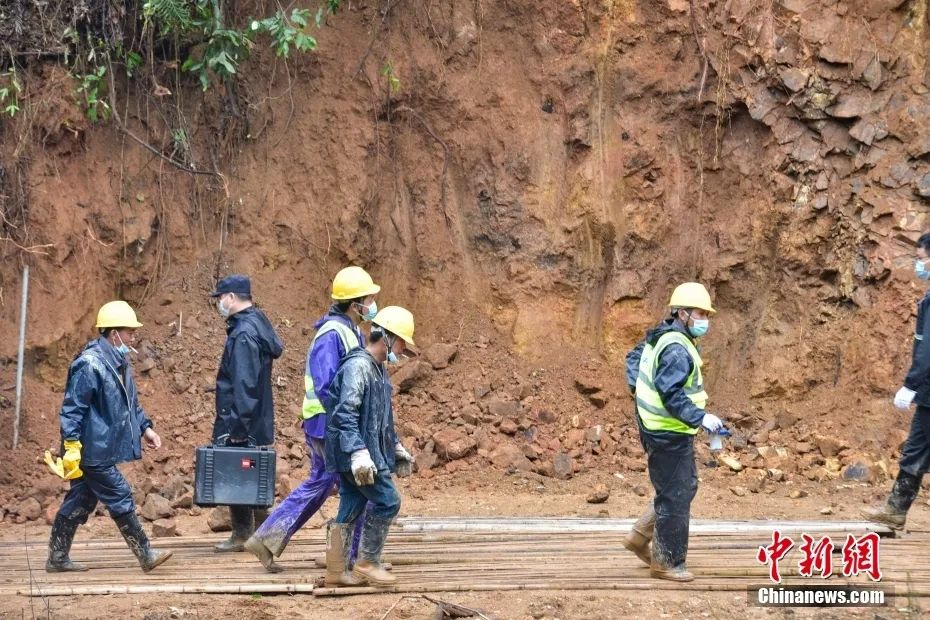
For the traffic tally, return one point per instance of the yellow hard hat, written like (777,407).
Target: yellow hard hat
(352,283)
(691,295)
(117,314)
(398,321)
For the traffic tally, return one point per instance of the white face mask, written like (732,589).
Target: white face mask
(223,310)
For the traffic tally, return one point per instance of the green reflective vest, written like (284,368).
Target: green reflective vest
(312,405)
(649,406)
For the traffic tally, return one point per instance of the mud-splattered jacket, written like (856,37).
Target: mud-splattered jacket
(918,376)
(101,406)
(362,416)
(323,359)
(244,404)
(674,367)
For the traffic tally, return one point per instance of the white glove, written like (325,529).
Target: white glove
(401,454)
(712,423)
(904,398)
(363,468)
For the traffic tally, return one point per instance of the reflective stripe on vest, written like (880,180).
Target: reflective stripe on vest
(649,406)
(349,340)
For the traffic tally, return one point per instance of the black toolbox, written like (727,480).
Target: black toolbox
(234,476)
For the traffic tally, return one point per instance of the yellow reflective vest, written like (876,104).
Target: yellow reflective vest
(649,405)
(312,405)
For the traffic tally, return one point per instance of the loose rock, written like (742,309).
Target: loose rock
(562,466)
(164,528)
(440,355)
(731,462)
(599,495)
(218,521)
(156,507)
(452,444)
(29,509)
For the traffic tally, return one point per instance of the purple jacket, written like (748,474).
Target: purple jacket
(322,363)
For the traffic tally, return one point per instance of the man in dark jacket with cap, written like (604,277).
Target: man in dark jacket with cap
(244,407)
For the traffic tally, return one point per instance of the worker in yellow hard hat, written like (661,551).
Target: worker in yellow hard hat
(337,333)
(362,446)
(664,373)
(102,425)
(915,390)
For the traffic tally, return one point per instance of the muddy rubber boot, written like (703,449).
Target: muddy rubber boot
(138,542)
(59,546)
(674,573)
(368,565)
(320,562)
(893,512)
(264,555)
(242,529)
(640,536)
(338,548)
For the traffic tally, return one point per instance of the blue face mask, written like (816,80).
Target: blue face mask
(371,313)
(920,268)
(391,357)
(699,327)
(123,348)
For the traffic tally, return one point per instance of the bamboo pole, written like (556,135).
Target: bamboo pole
(246,588)
(20,355)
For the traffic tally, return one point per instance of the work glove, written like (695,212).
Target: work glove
(904,398)
(67,467)
(711,423)
(401,453)
(363,468)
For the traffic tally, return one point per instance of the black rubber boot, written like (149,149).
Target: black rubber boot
(893,512)
(138,542)
(243,527)
(59,546)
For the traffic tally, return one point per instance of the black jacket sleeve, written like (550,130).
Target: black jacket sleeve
(919,373)
(245,366)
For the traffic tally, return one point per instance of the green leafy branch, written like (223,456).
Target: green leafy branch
(10,92)
(92,88)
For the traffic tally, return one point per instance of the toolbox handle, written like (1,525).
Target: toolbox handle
(223,440)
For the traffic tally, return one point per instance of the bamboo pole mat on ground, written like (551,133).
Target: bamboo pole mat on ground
(461,554)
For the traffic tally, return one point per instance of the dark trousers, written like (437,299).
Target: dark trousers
(915,456)
(383,495)
(673,474)
(104,484)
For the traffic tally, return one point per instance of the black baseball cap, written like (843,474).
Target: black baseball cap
(236,283)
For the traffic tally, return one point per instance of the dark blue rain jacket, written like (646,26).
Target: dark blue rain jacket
(362,416)
(101,407)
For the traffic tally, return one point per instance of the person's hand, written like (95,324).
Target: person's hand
(712,423)
(401,453)
(904,398)
(152,440)
(363,468)
(67,467)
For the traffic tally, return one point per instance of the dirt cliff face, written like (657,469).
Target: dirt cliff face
(533,188)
